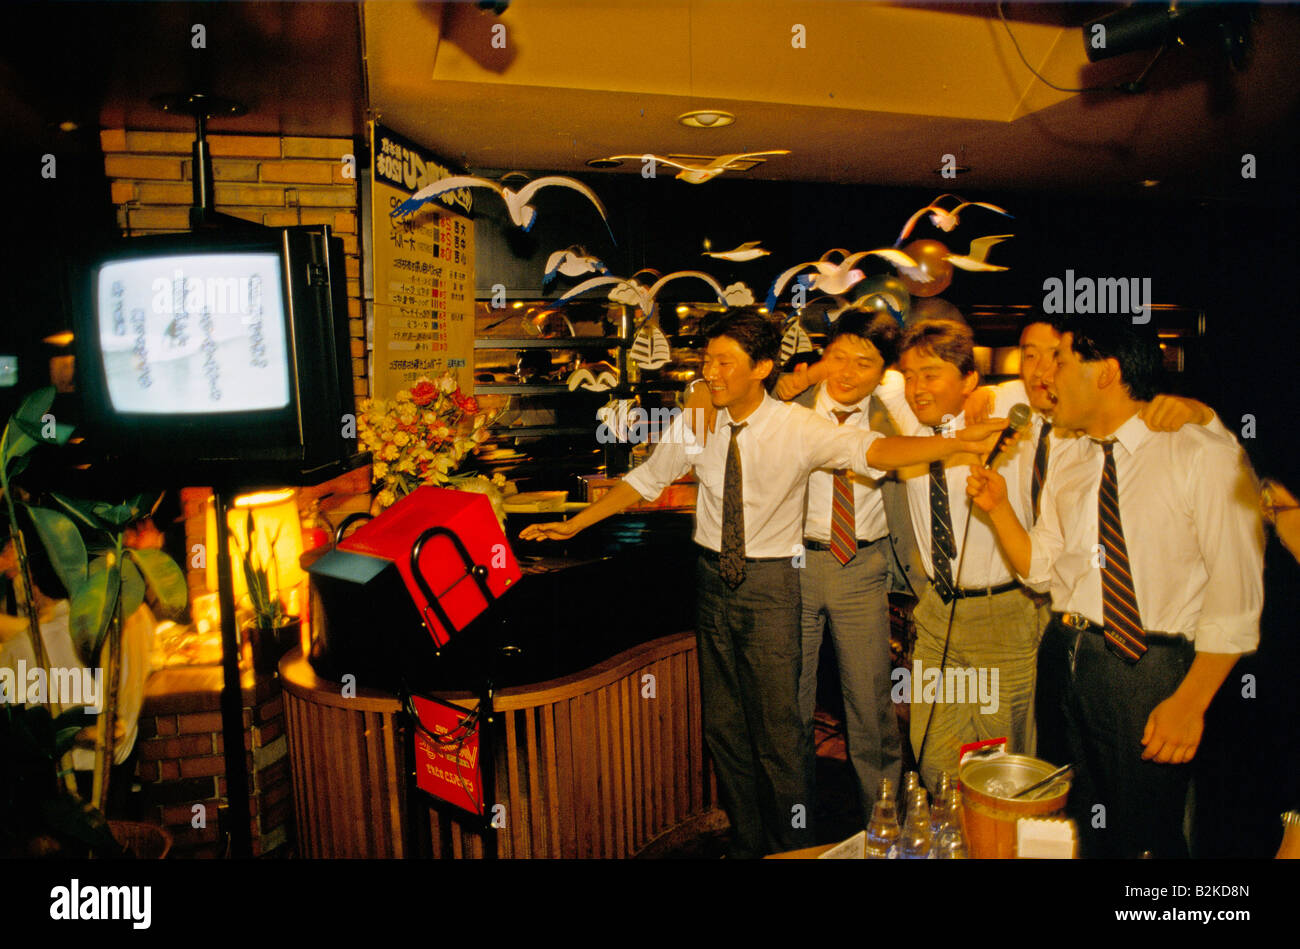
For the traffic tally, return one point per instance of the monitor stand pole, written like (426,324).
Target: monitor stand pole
(239,823)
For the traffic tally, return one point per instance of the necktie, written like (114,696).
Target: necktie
(732,559)
(1123,623)
(844,523)
(1040,465)
(943,549)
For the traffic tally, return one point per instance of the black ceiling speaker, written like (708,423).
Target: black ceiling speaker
(1159,25)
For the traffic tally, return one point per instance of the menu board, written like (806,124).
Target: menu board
(423,271)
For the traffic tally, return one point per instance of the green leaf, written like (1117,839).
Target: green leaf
(93,606)
(118,515)
(80,511)
(164,577)
(18,467)
(16,442)
(63,543)
(36,405)
(132,588)
(36,431)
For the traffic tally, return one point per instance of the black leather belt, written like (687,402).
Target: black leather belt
(819,545)
(713,556)
(1083,624)
(976,591)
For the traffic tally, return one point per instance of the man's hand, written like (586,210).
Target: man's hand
(979,438)
(791,384)
(551,530)
(979,404)
(1173,731)
(986,488)
(1169,413)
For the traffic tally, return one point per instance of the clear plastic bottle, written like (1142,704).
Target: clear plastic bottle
(916,840)
(883,830)
(950,843)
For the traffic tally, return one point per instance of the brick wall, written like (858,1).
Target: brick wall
(182,761)
(264,179)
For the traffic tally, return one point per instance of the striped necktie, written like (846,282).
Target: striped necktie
(731,560)
(1120,616)
(943,549)
(1040,465)
(844,522)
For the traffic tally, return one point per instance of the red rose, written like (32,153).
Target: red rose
(423,392)
(468,404)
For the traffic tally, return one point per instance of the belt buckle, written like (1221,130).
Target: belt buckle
(1076,621)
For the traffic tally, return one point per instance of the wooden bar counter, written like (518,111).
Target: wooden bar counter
(596,764)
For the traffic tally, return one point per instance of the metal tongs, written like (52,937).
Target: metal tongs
(1061,773)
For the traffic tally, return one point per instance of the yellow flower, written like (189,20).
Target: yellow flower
(406,465)
(387,498)
(402,439)
(380,471)
(404,395)
(389,453)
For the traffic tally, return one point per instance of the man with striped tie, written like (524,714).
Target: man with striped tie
(1028,461)
(1152,547)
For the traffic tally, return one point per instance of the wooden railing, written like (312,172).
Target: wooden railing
(596,764)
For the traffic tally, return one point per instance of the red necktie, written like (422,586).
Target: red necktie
(844,523)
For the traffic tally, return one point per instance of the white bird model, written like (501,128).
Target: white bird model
(750,250)
(979,249)
(836,278)
(572,262)
(630,292)
(696,173)
(943,219)
(521,212)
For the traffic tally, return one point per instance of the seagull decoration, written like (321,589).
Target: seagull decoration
(698,173)
(571,262)
(943,219)
(979,249)
(835,278)
(522,213)
(630,292)
(750,250)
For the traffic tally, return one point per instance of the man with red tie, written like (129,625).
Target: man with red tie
(1152,548)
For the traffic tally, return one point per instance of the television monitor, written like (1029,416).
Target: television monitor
(220,355)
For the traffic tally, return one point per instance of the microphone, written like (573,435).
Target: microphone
(1017,419)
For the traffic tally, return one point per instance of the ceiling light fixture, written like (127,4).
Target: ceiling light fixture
(706,119)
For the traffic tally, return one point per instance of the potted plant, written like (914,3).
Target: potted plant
(272,632)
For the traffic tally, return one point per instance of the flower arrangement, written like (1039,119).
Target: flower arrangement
(419,437)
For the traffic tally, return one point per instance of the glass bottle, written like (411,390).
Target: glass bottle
(1290,849)
(939,805)
(883,830)
(950,844)
(911,781)
(916,840)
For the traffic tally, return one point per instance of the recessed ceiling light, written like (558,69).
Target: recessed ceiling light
(59,339)
(706,119)
(68,126)
(604,163)
(1150,182)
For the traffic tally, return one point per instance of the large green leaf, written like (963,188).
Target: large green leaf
(93,606)
(163,576)
(36,405)
(36,431)
(18,467)
(117,516)
(63,543)
(16,443)
(80,511)
(132,588)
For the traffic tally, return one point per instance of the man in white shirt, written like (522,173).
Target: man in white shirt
(749,525)
(1151,545)
(1029,460)
(977,682)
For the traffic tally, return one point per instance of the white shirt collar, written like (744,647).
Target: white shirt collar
(826,404)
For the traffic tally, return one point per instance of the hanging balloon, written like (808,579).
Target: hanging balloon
(932,272)
(932,308)
(885,294)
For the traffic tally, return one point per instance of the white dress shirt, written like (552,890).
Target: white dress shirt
(1192,528)
(985,564)
(868,502)
(1017,464)
(780,446)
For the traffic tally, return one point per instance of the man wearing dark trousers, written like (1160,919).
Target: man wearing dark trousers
(1152,547)
(752,475)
